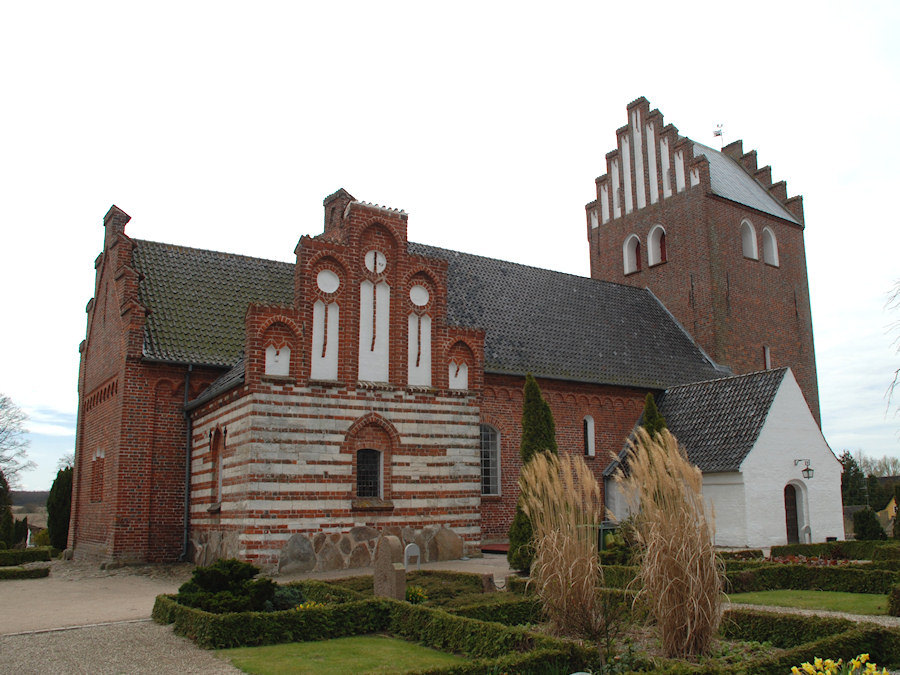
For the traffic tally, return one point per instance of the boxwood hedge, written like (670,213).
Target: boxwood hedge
(23,572)
(13,556)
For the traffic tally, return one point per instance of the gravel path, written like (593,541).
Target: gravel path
(139,647)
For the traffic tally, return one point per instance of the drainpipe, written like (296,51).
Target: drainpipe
(187,469)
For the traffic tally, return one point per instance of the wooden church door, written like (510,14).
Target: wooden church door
(790,514)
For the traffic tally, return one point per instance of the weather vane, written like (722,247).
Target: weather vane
(718,132)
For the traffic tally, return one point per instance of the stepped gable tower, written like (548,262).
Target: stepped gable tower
(713,237)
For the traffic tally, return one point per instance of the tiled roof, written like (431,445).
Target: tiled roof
(563,326)
(551,324)
(728,179)
(232,378)
(197,300)
(718,422)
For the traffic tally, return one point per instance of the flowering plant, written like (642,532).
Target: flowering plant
(858,666)
(309,604)
(416,595)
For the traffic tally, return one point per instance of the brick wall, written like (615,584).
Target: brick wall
(732,306)
(614,409)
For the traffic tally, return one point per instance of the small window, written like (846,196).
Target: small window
(656,246)
(97,466)
(767,358)
(368,473)
(631,254)
(216,461)
(490,460)
(770,247)
(588,424)
(748,240)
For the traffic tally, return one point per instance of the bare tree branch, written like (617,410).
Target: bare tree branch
(13,441)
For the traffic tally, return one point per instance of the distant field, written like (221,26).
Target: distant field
(26,498)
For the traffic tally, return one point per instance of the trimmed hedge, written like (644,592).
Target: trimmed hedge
(24,573)
(894,601)
(805,577)
(749,554)
(14,556)
(494,647)
(842,550)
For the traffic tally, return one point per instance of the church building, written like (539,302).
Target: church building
(290,414)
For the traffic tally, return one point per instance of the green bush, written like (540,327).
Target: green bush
(24,573)
(866,526)
(42,538)
(619,576)
(21,556)
(59,507)
(440,586)
(510,609)
(894,601)
(842,550)
(806,577)
(749,554)
(227,586)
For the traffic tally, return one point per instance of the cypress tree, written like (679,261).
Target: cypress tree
(652,420)
(59,508)
(538,435)
(6,517)
(896,531)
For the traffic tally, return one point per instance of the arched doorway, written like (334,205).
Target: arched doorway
(790,514)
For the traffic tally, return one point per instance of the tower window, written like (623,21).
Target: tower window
(770,248)
(631,254)
(490,460)
(767,358)
(588,424)
(656,246)
(748,240)
(368,473)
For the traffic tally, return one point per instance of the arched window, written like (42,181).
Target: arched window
(748,240)
(588,424)
(368,473)
(656,246)
(631,254)
(770,247)
(490,460)
(216,461)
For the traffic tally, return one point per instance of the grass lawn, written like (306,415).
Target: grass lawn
(852,603)
(360,655)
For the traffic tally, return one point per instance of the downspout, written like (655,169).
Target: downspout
(187,468)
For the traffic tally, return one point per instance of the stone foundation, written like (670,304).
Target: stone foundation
(321,551)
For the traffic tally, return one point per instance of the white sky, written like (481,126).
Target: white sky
(223,125)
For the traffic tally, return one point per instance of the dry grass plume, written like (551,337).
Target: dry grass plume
(681,579)
(565,504)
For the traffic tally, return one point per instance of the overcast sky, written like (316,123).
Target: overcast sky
(223,125)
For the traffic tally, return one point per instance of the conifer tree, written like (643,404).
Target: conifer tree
(6,517)
(538,435)
(653,421)
(59,508)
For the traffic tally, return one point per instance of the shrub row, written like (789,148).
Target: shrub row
(23,573)
(749,554)
(846,550)
(494,647)
(804,577)
(13,556)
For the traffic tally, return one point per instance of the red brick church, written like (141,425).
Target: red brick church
(289,414)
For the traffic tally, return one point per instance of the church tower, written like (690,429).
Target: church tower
(713,237)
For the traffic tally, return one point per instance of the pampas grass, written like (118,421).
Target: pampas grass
(565,504)
(681,580)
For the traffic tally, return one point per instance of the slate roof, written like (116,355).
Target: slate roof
(568,327)
(551,324)
(718,422)
(197,300)
(730,180)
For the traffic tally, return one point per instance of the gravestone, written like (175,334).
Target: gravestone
(390,576)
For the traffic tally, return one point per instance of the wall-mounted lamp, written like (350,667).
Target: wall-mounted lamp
(806,471)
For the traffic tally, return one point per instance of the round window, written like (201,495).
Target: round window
(328,281)
(419,295)
(376,262)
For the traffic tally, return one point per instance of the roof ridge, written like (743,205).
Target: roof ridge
(532,267)
(210,250)
(771,371)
